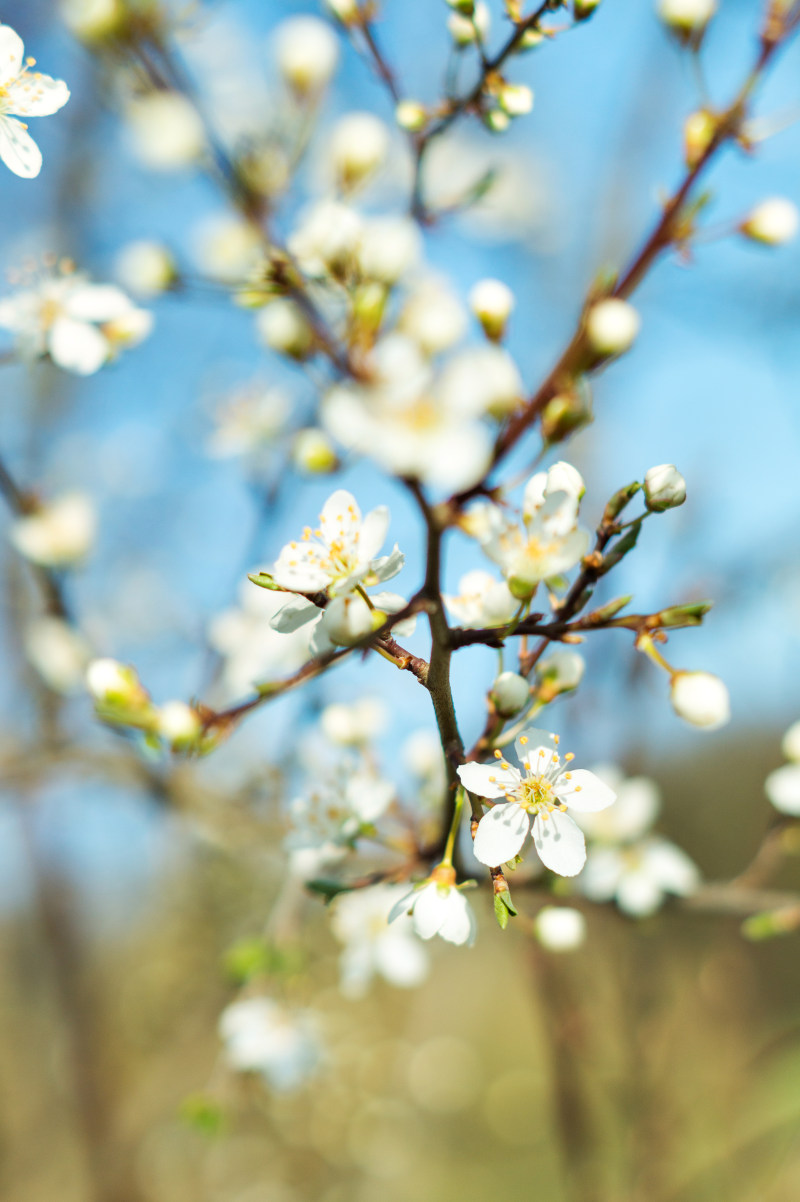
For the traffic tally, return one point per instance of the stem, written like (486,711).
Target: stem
(447,856)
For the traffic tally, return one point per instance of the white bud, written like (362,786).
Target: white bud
(411,116)
(561,670)
(166,130)
(283,327)
(111,682)
(313,452)
(497,120)
(145,268)
(348,619)
(178,723)
(515,99)
(790,745)
(358,147)
(783,789)
(58,653)
(701,699)
(772,222)
(388,249)
(463,29)
(664,487)
(58,534)
(92,19)
(510,692)
(433,317)
(686,16)
(492,302)
(307,52)
(481,380)
(612,326)
(346,11)
(560,928)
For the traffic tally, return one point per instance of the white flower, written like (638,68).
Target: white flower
(664,487)
(25,93)
(612,326)
(560,928)
(79,324)
(345,10)
(560,671)
(166,131)
(510,692)
(686,16)
(262,1037)
(411,115)
(790,745)
(372,947)
(307,52)
(58,534)
(433,316)
(638,875)
(282,326)
(633,813)
(783,789)
(701,699)
(146,268)
(546,543)
(354,724)
(481,381)
(326,822)
(248,421)
(388,248)
(326,239)
(358,146)
(492,302)
(341,553)
(227,247)
(252,650)
(773,221)
(482,601)
(178,723)
(463,29)
(438,908)
(536,802)
(313,452)
(58,653)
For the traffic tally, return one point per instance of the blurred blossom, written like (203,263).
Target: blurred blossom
(790,746)
(636,808)
(433,316)
(59,533)
(327,821)
(388,248)
(422,752)
(80,325)
(59,653)
(252,651)
(282,326)
(482,600)
(261,1036)
(249,421)
(560,928)
(24,93)
(92,19)
(227,248)
(307,52)
(350,725)
(372,947)
(325,239)
(166,131)
(145,268)
(700,699)
(481,381)
(358,145)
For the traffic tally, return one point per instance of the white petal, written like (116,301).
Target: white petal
(12,49)
(536,741)
(488,780)
(501,834)
(373,533)
(459,926)
(601,876)
(35,95)
(670,866)
(430,910)
(335,509)
(783,788)
(388,565)
(18,150)
(584,791)
(401,906)
(560,843)
(97,302)
(295,613)
(639,894)
(297,569)
(77,346)
(400,959)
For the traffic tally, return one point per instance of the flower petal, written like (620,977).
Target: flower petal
(583,791)
(501,834)
(560,843)
(401,906)
(373,533)
(536,741)
(336,511)
(488,780)
(783,788)
(36,95)
(387,566)
(459,926)
(430,910)
(18,150)
(295,613)
(12,48)
(77,346)
(97,302)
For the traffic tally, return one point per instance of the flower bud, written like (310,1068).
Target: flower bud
(583,9)
(567,412)
(510,692)
(313,452)
(563,477)
(283,327)
(701,699)
(664,488)
(790,744)
(560,928)
(612,326)
(145,268)
(358,147)
(348,619)
(178,724)
(346,11)
(116,684)
(783,789)
(411,116)
(307,53)
(559,672)
(687,19)
(772,222)
(530,40)
(515,99)
(698,134)
(466,30)
(492,302)
(93,20)
(465,7)
(497,120)
(58,534)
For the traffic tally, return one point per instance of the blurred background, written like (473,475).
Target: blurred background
(660,1060)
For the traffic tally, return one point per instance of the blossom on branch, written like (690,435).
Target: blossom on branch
(23,93)
(372,947)
(438,907)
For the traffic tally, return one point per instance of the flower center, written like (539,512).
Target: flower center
(536,793)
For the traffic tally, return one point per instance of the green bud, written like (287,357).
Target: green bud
(684,615)
(606,612)
(621,548)
(619,501)
(264,580)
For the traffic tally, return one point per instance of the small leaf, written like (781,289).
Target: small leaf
(500,911)
(264,580)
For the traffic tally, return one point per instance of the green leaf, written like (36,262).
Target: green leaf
(500,911)
(621,548)
(264,580)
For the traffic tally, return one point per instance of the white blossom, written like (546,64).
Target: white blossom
(774,221)
(282,326)
(700,699)
(313,452)
(92,19)
(560,671)
(638,876)
(359,143)
(612,326)
(24,93)
(227,247)
(438,908)
(411,115)
(326,239)
(353,724)
(783,789)
(58,652)
(686,16)
(307,53)
(433,316)
(59,533)
(492,302)
(664,487)
(327,821)
(145,268)
(372,947)
(261,1036)
(482,600)
(536,802)
(481,381)
(515,99)
(252,650)
(248,421)
(465,30)
(166,131)
(560,928)
(113,683)
(510,692)
(178,723)
(634,812)
(388,248)
(80,325)
(790,744)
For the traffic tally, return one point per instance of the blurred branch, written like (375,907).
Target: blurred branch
(20,504)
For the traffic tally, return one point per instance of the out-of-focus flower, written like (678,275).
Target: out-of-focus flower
(466,30)
(372,947)
(58,653)
(282,1045)
(433,316)
(438,908)
(248,421)
(515,99)
(178,724)
(481,381)
(358,146)
(345,11)
(80,325)
(252,650)
(92,19)
(559,672)
(633,813)
(700,699)
(492,302)
(664,487)
(307,53)
(422,752)
(283,327)
(166,131)
(228,248)
(510,692)
(387,249)
(145,268)
(686,17)
(313,452)
(411,115)
(112,683)
(560,928)
(325,240)
(612,326)
(482,601)
(790,745)
(326,822)
(783,789)
(536,802)
(354,724)
(24,93)
(58,534)
(772,222)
